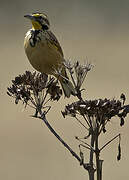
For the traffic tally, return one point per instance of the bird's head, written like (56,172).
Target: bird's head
(39,21)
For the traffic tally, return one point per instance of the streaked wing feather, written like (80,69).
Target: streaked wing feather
(54,40)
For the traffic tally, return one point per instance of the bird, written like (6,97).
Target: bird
(44,51)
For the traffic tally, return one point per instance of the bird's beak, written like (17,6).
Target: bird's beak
(28,16)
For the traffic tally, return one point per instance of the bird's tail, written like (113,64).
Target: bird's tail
(67,87)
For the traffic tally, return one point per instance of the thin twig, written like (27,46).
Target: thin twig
(102,126)
(72,78)
(81,123)
(47,101)
(86,121)
(35,97)
(44,99)
(33,102)
(49,107)
(109,142)
(86,144)
(43,117)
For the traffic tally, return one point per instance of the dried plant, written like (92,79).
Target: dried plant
(36,90)
(33,89)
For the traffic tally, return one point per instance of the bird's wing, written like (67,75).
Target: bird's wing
(53,40)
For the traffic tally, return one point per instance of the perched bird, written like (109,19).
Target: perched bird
(44,51)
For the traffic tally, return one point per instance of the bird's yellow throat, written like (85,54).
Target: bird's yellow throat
(36,25)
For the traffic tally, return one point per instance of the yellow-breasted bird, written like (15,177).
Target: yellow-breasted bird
(44,51)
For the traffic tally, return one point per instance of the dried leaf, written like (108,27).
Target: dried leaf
(122,121)
(119,152)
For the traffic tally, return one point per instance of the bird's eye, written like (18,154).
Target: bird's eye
(40,17)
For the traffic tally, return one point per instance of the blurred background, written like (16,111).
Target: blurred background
(95,30)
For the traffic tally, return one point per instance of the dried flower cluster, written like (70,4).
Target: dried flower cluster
(80,71)
(34,87)
(97,111)
(77,73)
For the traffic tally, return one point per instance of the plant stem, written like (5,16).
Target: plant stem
(97,153)
(91,175)
(43,117)
(97,159)
(91,152)
(91,170)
